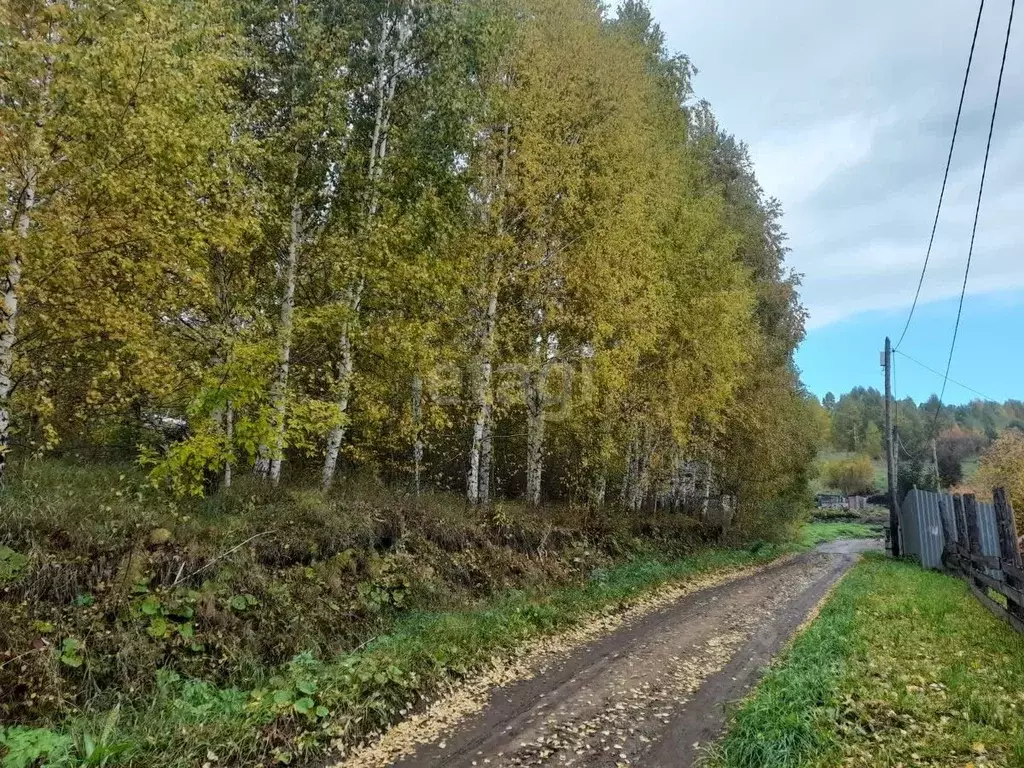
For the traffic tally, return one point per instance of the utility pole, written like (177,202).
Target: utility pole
(935,459)
(890,453)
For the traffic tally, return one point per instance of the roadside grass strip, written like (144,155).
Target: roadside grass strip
(903,667)
(816,533)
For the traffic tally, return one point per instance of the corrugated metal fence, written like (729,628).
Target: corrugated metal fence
(975,541)
(921,526)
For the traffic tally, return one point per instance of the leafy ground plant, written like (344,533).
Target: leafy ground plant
(903,667)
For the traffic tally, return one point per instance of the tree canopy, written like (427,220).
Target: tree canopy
(498,245)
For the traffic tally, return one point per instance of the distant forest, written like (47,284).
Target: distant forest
(854,422)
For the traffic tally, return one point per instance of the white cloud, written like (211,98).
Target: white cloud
(792,165)
(848,111)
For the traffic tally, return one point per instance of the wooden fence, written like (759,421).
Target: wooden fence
(1001,574)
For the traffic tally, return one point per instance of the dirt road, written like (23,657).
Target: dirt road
(650,693)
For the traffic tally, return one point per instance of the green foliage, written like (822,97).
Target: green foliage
(914,473)
(388,585)
(25,747)
(99,749)
(851,475)
(100,143)
(11,564)
(287,246)
(71,652)
(873,441)
(961,431)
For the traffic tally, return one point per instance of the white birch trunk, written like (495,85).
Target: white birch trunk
(229,435)
(480,452)
(642,472)
(336,436)
(639,490)
(487,457)
(385,83)
(673,485)
(535,389)
(271,457)
(534,436)
(417,428)
(627,480)
(11,281)
(475,449)
(643,486)
(706,504)
(9,317)
(689,482)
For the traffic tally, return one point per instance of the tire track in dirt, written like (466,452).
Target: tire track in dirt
(648,692)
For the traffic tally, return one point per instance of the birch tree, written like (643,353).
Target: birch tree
(297,89)
(389,61)
(105,124)
(283,225)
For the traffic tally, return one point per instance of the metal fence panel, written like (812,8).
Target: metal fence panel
(921,526)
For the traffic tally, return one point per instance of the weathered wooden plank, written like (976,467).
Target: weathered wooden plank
(961,557)
(960,520)
(973,530)
(1016,573)
(985,561)
(996,608)
(970,504)
(1011,593)
(988,581)
(1009,552)
(948,534)
(1009,549)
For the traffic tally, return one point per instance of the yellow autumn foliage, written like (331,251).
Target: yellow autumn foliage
(1002,466)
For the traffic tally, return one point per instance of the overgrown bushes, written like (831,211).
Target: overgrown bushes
(226,616)
(855,474)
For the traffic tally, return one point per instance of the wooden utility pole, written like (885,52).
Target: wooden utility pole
(890,453)
(935,459)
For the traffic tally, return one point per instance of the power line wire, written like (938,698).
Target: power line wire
(903,447)
(977,210)
(982,395)
(945,176)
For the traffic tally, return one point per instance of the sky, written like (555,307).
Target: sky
(848,111)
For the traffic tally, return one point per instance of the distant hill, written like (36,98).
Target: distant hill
(961,432)
(857,419)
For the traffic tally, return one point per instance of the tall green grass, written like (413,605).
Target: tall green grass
(902,667)
(816,533)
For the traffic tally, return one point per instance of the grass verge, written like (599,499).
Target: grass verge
(903,667)
(816,533)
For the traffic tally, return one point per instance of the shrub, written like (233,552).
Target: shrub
(852,475)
